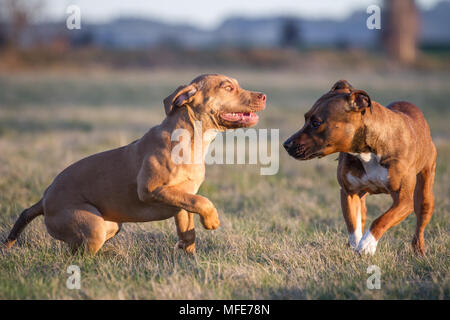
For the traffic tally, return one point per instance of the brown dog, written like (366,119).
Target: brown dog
(88,201)
(382,150)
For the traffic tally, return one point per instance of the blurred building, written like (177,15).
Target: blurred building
(268,32)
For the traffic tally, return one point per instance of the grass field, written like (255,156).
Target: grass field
(282,236)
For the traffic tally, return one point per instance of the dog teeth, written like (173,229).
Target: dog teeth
(241,114)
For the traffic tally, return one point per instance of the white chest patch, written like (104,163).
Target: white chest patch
(375,176)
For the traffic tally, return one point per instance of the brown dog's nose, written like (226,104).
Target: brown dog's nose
(287,144)
(262,96)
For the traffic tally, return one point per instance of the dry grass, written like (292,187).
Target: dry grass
(282,236)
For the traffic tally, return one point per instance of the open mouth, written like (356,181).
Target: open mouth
(301,154)
(311,156)
(241,118)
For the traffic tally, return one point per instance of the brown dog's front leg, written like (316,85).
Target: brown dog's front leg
(352,209)
(390,218)
(402,207)
(186,233)
(173,196)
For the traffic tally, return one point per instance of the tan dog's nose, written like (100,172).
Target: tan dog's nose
(262,96)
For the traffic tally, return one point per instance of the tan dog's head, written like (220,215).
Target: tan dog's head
(334,124)
(218,101)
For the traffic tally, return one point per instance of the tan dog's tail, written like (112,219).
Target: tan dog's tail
(25,218)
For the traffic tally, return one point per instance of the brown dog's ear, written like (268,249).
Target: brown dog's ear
(342,85)
(358,100)
(179,97)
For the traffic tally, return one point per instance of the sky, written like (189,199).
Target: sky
(209,14)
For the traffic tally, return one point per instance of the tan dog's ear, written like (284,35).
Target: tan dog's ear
(342,85)
(358,100)
(179,97)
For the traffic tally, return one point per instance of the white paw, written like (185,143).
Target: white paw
(354,238)
(368,244)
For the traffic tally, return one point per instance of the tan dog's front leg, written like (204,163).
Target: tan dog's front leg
(186,233)
(173,196)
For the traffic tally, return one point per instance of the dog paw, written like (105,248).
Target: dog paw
(354,239)
(188,248)
(368,244)
(418,246)
(211,221)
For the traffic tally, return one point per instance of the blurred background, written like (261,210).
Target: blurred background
(66,94)
(285,33)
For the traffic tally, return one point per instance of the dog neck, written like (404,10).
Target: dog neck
(376,132)
(201,132)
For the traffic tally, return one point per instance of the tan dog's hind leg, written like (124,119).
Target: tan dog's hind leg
(112,229)
(186,233)
(352,210)
(79,227)
(423,206)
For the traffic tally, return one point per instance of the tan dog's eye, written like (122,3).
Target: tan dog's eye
(229,88)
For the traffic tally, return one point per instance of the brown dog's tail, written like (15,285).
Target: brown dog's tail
(25,218)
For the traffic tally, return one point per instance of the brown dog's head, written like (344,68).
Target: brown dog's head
(334,124)
(218,101)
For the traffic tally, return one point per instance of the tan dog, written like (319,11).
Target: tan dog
(88,201)
(382,150)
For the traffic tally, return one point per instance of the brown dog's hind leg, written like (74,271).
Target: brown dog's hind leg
(78,227)
(186,233)
(423,206)
(112,229)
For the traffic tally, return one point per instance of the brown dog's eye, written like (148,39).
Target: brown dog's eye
(316,123)
(229,88)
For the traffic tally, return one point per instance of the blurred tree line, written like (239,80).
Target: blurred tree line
(400,28)
(290,34)
(15,17)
